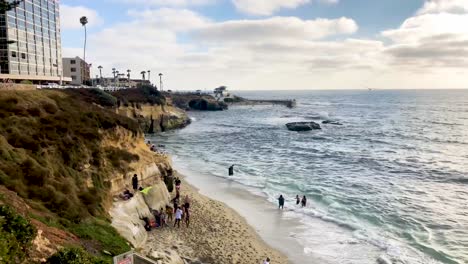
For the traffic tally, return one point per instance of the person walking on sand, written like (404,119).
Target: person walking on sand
(187,217)
(281,202)
(304,201)
(186,205)
(163,217)
(178,217)
(169,213)
(135,182)
(266,261)
(298,200)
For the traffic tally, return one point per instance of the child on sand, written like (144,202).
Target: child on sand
(267,261)
(178,217)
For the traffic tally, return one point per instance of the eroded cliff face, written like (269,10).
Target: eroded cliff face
(156,118)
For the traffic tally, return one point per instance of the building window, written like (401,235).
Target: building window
(23,56)
(73,77)
(73,69)
(73,62)
(13,54)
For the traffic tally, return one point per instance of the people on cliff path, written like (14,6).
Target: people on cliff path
(304,201)
(281,202)
(135,182)
(178,217)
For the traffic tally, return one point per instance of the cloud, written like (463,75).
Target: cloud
(70,17)
(435,37)
(266,7)
(168,3)
(275,28)
(447,6)
(196,52)
(170,19)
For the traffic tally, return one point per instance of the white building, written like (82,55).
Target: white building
(76,69)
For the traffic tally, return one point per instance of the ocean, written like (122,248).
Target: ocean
(393,177)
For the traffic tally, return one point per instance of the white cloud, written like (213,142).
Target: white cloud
(266,7)
(172,19)
(436,37)
(448,6)
(275,28)
(195,52)
(70,16)
(169,3)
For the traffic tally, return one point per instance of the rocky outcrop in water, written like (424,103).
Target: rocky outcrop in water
(206,105)
(303,126)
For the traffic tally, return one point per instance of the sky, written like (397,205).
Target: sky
(275,44)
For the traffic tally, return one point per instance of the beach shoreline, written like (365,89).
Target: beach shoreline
(217,234)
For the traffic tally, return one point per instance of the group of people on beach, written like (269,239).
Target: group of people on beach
(302,201)
(157,149)
(178,212)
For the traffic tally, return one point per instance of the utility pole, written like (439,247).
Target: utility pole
(160,82)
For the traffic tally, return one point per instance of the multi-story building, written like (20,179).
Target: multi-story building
(34,54)
(77,69)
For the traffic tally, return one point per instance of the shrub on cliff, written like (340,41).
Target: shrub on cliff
(144,94)
(16,235)
(50,149)
(74,256)
(94,95)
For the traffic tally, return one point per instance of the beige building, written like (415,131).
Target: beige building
(33,28)
(77,70)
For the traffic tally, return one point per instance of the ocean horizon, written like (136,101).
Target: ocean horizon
(392,178)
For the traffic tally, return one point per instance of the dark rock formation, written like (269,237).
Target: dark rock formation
(303,126)
(206,105)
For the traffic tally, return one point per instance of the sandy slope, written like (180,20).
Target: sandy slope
(217,234)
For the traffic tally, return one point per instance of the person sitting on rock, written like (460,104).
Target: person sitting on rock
(135,182)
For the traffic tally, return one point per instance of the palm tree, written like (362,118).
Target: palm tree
(100,71)
(113,72)
(84,21)
(143,73)
(128,75)
(160,82)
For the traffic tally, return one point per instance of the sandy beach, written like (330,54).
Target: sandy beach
(217,234)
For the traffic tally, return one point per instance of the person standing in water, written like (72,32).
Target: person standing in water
(281,202)
(298,200)
(304,201)
(231,170)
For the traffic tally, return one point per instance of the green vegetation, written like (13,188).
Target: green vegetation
(16,236)
(102,233)
(51,155)
(95,96)
(26,82)
(47,139)
(144,94)
(74,256)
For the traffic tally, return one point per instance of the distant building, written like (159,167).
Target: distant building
(35,53)
(221,92)
(76,69)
